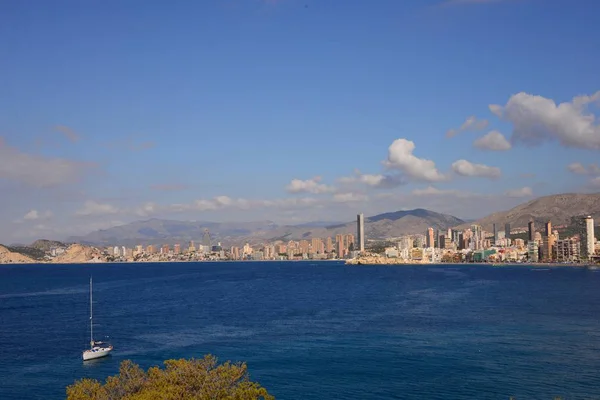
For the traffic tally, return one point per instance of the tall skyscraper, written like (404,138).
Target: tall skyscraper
(328,245)
(507,231)
(429,238)
(495,234)
(360,232)
(531,231)
(206,240)
(589,236)
(548,230)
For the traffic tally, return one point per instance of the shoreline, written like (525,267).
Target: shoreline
(345,262)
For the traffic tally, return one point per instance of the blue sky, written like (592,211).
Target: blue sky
(113,111)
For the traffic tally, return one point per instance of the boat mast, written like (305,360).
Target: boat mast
(91,315)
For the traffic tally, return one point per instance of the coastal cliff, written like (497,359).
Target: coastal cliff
(378,259)
(9,257)
(77,253)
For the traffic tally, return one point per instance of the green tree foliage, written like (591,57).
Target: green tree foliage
(180,379)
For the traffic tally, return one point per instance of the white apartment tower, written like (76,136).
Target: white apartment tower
(360,232)
(589,235)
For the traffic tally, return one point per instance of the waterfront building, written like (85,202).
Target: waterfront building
(533,251)
(430,240)
(507,230)
(349,243)
(405,243)
(495,234)
(328,245)
(303,247)
(340,249)
(360,232)
(177,248)
(206,239)
(589,239)
(567,250)
(531,231)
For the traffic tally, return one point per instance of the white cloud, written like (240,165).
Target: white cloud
(373,180)
(536,119)
(494,141)
(92,207)
(308,186)
(37,171)
(471,124)
(225,202)
(33,215)
(432,191)
(146,209)
(467,168)
(595,182)
(401,157)
(349,197)
(522,192)
(580,169)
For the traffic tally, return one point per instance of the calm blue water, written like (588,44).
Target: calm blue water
(312,330)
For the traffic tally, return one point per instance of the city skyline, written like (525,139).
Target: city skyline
(291,113)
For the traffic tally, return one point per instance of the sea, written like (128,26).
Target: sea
(311,330)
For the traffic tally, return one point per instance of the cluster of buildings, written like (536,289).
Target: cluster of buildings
(452,245)
(476,245)
(339,247)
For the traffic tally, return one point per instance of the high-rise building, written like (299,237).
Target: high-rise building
(349,242)
(317,246)
(177,248)
(304,246)
(531,231)
(548,229)
(328,245)
(567,250)
(206,239)
(507,231)
(340,249)
(495,234)
(589,237)
(360,232)
(429,238)
(442,241)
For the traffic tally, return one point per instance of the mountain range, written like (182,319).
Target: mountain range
(560,209)
(161,231)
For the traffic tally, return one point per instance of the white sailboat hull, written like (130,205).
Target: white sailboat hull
(96,352)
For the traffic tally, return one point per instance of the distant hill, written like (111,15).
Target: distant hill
(8,256)
(46,245)
(159,231)
(558,209)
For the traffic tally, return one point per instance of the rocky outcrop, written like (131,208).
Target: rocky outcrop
(78,253)
(10,257)
(377,259)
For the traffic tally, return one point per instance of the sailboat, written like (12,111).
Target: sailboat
(97,349)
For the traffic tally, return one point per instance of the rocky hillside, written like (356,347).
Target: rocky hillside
(46,245)
(559,209)
(9,257)
(78,253)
